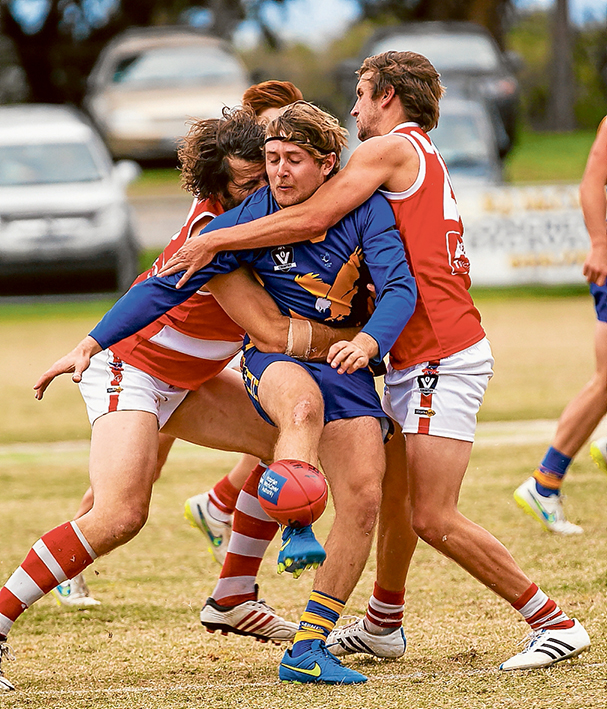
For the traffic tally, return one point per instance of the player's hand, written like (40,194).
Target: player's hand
(348,356)
(595,266)
(74,362)
(191,257)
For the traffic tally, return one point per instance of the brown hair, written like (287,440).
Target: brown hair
(312,129)
(204,152)
(415,81)
(270,94)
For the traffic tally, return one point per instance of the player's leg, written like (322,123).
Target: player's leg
(124,445)
(75,593)
(292,400)
(353,460)
(380,632)
(220,415)
(539,495)
(436,469)
(234,605)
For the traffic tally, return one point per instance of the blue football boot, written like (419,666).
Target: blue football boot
(299,551)
(317,665)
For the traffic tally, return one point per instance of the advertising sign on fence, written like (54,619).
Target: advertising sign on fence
(524,234)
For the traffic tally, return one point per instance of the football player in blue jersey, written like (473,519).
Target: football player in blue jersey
(327,411)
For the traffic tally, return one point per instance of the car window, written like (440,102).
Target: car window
(181,65)
(455,52)
(460,139)
(45,164)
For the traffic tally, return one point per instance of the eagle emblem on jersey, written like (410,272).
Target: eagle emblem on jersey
(334,297)
(460,265)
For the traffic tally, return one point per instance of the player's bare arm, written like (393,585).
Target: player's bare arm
(74,362)
(389,161)
(594,207)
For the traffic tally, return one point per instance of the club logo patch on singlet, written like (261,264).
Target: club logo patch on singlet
(284,258)
(460,265)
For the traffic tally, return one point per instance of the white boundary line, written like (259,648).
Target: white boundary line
(488,433)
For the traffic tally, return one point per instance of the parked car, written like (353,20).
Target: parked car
(466,140)
(63,209)
(468,59)
(148,82)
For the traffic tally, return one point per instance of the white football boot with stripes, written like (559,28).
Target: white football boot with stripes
(5,653)
(546,646)
(253,618)
(355,638)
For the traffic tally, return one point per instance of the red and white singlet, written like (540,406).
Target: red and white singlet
(192,342)
(445,320)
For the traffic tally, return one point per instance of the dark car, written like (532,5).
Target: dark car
(63,208)
(468,59)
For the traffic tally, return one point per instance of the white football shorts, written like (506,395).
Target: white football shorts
(109,384)
(440,398)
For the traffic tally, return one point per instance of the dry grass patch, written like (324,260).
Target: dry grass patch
(144,647)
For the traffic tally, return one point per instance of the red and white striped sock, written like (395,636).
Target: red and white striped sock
(60,554)
(223,496)
(540,611)
(252,532)
(385,611)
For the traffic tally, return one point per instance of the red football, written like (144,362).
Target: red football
(293,493)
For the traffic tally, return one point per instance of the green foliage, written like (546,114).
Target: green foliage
(531,38)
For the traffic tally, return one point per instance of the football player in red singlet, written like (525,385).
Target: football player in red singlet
(439,367)
(211,511)
(540,495)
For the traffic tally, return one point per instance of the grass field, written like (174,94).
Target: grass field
(548,157)
(144,647)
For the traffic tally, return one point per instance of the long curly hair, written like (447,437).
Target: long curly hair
(204,152)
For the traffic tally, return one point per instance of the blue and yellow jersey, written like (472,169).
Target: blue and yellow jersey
(323,279)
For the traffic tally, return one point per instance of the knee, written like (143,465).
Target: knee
(129,523)
(361,506)
(430,525)
(308,411)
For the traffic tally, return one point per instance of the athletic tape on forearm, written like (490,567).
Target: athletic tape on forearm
(299,339)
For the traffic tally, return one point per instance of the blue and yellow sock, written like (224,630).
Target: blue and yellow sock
(551,472)
(317,621)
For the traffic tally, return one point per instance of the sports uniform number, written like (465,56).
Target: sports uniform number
(449,204)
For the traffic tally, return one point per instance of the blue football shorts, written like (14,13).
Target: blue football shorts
(599,293)
(345,395)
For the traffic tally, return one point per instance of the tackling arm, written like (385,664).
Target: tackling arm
(373,163)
